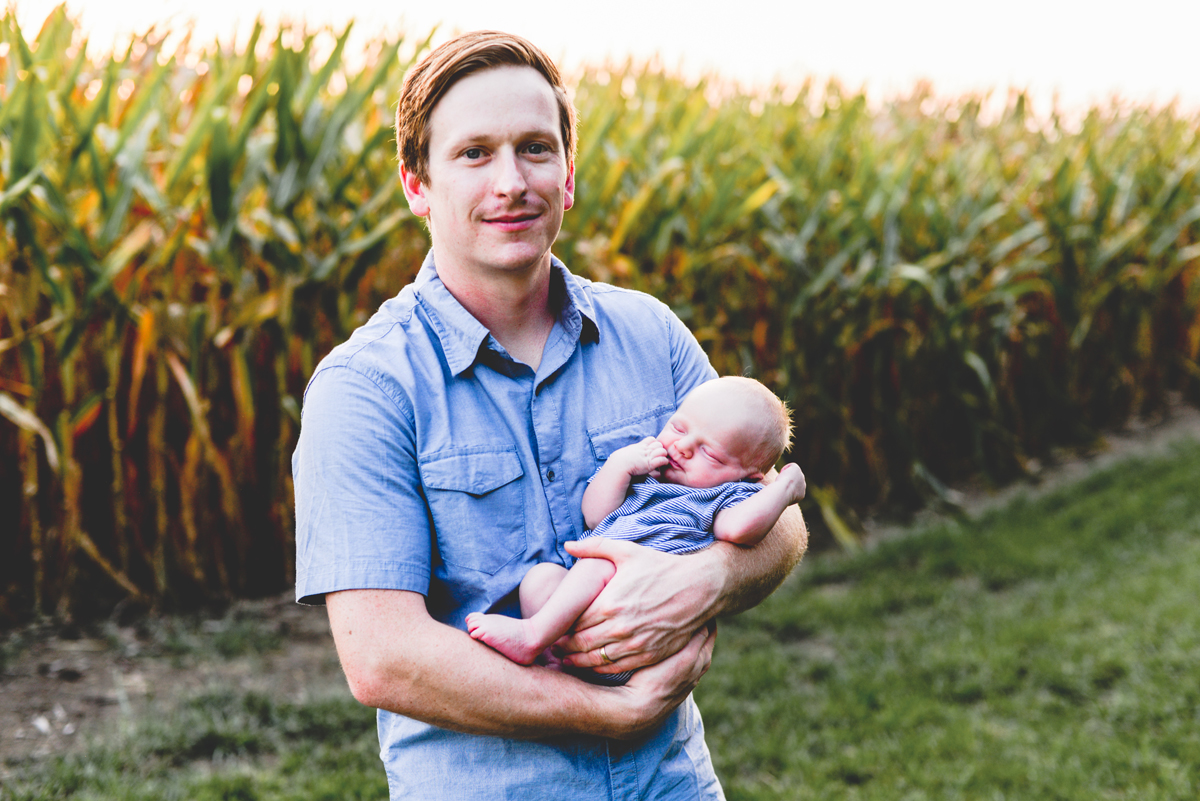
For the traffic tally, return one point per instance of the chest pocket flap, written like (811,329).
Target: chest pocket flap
(613,436)
(478,507)
(474,473)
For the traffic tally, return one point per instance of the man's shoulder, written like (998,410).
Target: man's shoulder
(617,303)
(383,348)
(611,293)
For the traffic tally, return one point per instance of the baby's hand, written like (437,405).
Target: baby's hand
(793,477)
(642,458)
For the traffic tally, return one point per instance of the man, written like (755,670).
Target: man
(445,448)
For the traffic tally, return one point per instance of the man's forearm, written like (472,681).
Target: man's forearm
(398,658)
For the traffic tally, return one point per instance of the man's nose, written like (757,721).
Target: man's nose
(510,179)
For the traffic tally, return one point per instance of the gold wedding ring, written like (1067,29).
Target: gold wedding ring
(604,655)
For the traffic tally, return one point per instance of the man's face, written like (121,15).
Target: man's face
(499,180)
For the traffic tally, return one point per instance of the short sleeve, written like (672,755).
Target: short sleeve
(361,517)
(689,363)
(733,493)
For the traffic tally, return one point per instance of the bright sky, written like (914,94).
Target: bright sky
(1083,51)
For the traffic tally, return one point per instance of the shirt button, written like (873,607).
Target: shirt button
(550,474)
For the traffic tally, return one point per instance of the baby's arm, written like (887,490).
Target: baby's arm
(611,483)
(749,521)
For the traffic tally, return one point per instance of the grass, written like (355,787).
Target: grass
(223,745)
(1046,650)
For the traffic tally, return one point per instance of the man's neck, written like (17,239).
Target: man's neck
(513,306)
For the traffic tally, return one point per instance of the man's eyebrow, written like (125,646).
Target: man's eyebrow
(486,136)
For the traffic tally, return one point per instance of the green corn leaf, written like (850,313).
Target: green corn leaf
(827,502)
(321,77)
(980,368)
(148,97)
(219,167)
(1171,233)
(12,193)
(129,162)
(118,259)
(199,130)
(26,141)
(757,199)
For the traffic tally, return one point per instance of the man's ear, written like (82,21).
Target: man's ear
(569,194)
(414,191)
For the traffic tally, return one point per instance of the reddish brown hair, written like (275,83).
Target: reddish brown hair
(428,81)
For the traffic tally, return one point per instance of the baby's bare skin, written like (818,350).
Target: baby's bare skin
(552,598)
(510,636)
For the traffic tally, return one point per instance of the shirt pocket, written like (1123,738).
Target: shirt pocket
(477,502)
(613,436)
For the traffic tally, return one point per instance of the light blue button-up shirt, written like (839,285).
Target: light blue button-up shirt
(431,461)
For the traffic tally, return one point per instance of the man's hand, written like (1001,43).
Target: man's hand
(648,611)
(656,601)
(653,693)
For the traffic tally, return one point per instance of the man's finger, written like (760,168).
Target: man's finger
(616,664)
(600,548)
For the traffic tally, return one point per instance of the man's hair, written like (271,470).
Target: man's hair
(428,81)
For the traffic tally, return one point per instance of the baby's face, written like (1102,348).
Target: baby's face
(707,443)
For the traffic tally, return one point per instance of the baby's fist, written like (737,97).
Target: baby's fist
(793,477)
(646,456)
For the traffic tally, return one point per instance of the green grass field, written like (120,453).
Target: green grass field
(1045,651)
(1048,650)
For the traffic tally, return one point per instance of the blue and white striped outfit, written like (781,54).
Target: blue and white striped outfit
(670,518)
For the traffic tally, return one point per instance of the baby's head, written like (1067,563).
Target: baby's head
(728,429)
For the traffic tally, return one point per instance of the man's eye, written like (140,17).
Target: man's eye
(473,153)
(537,149)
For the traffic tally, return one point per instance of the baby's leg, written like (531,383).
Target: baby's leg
(538,585)
(523,640)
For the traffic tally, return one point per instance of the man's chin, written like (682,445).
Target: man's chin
(519,257)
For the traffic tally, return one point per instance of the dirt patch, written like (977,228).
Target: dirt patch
(61,689)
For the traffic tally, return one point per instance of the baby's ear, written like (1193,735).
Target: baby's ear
(755,476)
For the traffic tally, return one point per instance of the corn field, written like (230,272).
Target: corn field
(937,293)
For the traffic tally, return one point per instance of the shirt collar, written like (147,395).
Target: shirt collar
(463,337)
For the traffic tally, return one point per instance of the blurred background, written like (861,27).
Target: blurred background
(961,239)
(955,240)
(1083,53)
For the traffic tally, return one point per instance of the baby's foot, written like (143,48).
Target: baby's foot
(792,476)
(508,635)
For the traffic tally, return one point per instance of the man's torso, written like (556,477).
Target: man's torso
(459,470)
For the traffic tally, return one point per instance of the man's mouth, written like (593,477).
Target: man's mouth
(512,221)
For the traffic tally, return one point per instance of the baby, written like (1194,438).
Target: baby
(699,485)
